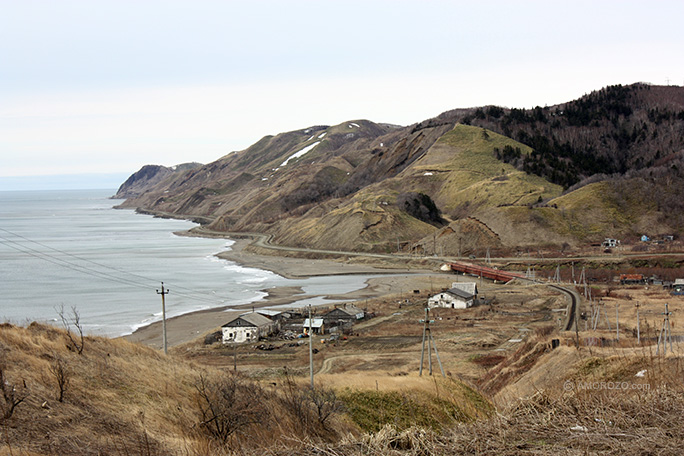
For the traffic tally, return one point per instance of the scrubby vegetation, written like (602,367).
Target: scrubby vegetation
(420,206)
(614,130)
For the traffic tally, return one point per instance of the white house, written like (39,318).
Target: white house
(610,243)
(453,298)
(316,325)
(247,328)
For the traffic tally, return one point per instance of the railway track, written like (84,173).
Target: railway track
(574,300)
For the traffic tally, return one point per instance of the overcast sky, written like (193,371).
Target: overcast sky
(93,86)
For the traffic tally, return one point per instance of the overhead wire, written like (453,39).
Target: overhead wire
(122,271)
(133,280)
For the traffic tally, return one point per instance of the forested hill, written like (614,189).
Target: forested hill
(615,130)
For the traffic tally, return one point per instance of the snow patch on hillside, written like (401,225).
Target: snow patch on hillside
(300,153)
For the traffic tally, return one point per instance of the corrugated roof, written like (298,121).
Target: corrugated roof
(460,293)
(468,287)
(252,318)
(349,309)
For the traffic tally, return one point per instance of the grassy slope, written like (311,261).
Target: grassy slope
(460,169)
(468,180)
(465,163)
(124,398)
(121,396)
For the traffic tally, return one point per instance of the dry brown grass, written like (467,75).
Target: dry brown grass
(581,424)
(133,398)
(122,399)
(126,399)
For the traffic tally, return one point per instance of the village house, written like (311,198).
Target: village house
(610,243)
(678,287)
(632,279)
(452,298)
(317,326)
(341,319)
(348,312)
(247,328)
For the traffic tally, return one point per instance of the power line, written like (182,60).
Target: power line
(122,271)
(132,280)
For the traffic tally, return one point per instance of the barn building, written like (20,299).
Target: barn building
(452,298)
(348,312)
(247,328)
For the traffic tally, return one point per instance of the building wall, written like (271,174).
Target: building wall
(449,301)
(240,334)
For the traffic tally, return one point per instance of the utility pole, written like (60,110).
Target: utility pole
(235,356)
(431,344)
(311,348)
(665,331)
(605,314)
(638,332)
(577,311)
(572,272)
(617,322)
(163,293)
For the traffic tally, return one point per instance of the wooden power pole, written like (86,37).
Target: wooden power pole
(311,372)
(665,332)
(638,331)
(427,335)
(163,293)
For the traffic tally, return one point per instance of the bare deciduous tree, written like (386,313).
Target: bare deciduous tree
(75,342)
(325,403)
(60,371)
(229,404)
(12,394)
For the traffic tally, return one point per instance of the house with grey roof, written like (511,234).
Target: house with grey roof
(247,328)
(453,298)
(347,312)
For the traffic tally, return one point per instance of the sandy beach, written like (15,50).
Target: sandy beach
(191,326)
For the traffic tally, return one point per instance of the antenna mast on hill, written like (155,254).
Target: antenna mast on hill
(431,344)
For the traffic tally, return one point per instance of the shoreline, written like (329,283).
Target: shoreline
(188,327)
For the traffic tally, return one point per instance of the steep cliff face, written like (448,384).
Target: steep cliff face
(147,177)
(342,186)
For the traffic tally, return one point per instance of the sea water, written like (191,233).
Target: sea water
(62,251)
